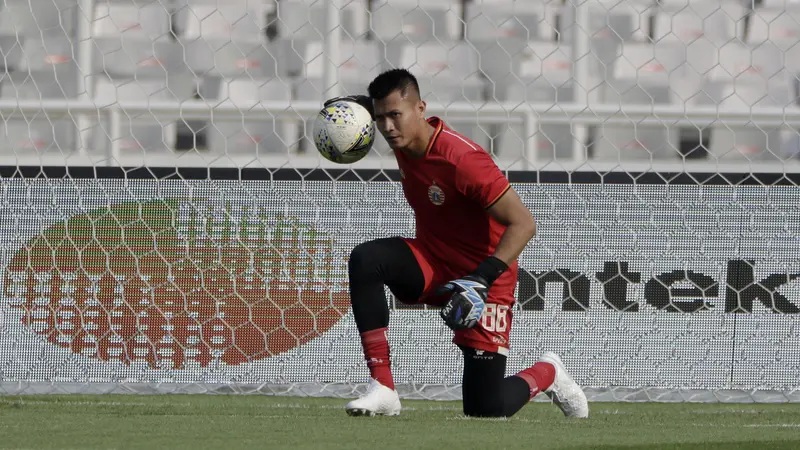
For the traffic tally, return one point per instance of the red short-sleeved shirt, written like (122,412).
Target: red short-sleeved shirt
(450,190)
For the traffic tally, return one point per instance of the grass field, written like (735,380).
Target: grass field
(206,421)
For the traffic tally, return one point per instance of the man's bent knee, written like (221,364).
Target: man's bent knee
(363,262)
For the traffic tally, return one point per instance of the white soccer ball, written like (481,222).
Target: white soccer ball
(344,132)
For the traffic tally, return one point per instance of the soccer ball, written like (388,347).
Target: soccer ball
(344,132)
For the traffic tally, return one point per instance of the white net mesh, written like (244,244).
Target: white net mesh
(169,227)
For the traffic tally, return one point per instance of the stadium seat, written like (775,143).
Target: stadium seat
(301,22)
(307,20)
(244,136)
(416,21)
(50,63)
(491,20)
(236,20)
(544,74)
(689,20)
(790,144)
(774,21)
(701,26)
(778,22)
(610,19)
(46,71)
(137,133)
(226,40)
(19,21)
(644,74)
(136,58)
(750,64)
(36,18)
(746,77)
(127,36)
(448,73)
(359,62)
(399,23)
(611,22)
(500,30)
(779,25)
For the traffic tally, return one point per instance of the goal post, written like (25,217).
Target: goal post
(168,226)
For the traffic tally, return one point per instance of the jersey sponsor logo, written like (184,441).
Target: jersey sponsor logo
(436,195)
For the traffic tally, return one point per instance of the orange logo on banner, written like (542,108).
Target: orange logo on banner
(120,284)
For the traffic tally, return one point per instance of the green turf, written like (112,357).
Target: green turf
(228,422)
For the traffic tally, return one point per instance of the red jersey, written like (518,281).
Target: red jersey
(450,190)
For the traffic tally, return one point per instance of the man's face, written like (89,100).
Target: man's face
(398,118)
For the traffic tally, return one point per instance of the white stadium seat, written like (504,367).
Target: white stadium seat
(308,19)
(474,52)
(138,135)
(415,20)
(747,77)
(245,136)
(359,62)
(779,26)
(50,17)
(400,23)
(688,20)
(643,74)
(543,74)
(499,31)
(227,40)
(448,74)
(47,71)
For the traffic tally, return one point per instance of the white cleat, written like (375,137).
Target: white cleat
(564,391)
(378,401)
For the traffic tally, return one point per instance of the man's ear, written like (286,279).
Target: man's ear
(421,107)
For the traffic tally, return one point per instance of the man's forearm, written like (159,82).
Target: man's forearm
(514,240)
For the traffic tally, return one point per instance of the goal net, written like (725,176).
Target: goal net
(168,225)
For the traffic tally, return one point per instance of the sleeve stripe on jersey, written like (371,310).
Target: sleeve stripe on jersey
(434,137)
(466,142)
(499,196)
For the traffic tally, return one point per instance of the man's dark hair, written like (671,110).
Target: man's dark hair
(393,80)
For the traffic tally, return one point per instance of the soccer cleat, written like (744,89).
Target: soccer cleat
(564,391)
(378,401)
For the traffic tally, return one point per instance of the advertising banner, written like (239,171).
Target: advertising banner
(187,285)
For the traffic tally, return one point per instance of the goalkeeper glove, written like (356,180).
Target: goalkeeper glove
(363,100)
(468,294)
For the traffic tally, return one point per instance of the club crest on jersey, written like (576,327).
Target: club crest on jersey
(436,195)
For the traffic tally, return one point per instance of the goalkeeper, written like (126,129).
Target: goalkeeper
(471,227)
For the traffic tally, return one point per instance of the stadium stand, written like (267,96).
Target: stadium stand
(729,54)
